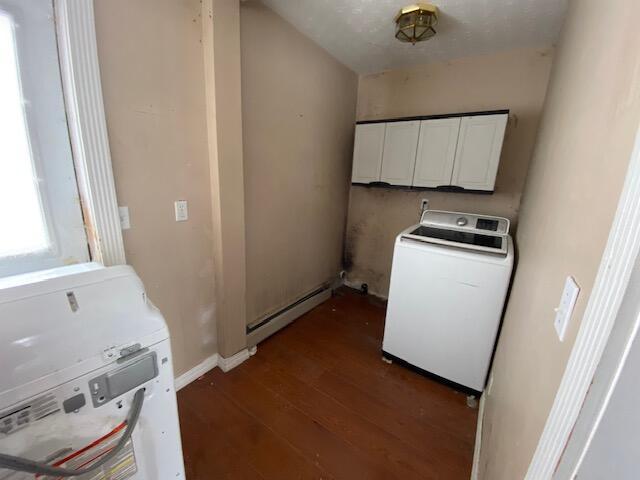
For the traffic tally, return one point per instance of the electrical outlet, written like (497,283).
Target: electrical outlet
(565,308)
(125,222)
(182,210)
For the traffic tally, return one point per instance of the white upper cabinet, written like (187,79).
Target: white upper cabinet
(478,151)
(399,158)
(436,152)
(367,152)
(462,151)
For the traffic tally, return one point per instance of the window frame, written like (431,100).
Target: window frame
(78,52)
(38,72)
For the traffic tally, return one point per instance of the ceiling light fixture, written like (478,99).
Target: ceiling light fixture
(415,23)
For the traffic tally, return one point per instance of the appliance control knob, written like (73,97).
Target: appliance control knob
(461,221)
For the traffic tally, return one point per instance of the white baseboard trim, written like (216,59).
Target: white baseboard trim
(196,372)
(478,444)
(209,363)
(233,361)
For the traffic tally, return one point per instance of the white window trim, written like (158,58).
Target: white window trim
(77,46)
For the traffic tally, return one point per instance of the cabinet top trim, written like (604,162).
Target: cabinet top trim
(432,117)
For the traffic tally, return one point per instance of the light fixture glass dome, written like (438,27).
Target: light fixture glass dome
(415,23)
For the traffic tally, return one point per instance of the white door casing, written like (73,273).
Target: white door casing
(555,449)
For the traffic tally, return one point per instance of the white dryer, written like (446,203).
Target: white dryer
(86,384)
(449,281)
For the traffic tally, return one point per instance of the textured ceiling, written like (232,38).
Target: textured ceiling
(360,33)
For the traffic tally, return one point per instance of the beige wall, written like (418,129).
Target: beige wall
(153,83)
(590,120)
(516,80)
(298,110)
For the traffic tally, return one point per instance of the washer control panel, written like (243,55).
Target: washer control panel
(112,384)
(465,221)
(487,224)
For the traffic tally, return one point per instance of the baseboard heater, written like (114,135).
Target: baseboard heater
(263,328)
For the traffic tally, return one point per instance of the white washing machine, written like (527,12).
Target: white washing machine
(449,281)
(86,378)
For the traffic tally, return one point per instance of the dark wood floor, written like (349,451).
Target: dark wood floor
(316,401)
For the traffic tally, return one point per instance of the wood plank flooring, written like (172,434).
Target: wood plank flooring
(316,401)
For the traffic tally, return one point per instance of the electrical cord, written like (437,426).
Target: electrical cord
(30,466)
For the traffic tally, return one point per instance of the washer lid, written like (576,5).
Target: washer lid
(462,230)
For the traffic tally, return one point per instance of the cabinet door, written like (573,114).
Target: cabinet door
(478,152)
(399,158)
(367,152)
(436,152)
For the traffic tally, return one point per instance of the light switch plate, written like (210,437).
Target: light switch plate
(182,210)
(125,222)
(565,308)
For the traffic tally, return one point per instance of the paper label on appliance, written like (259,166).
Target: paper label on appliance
(121,467)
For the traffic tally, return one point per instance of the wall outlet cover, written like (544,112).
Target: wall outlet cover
(125,221)
(566,306)
(182,210)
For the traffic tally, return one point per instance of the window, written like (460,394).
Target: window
(41,223)
(24,228)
